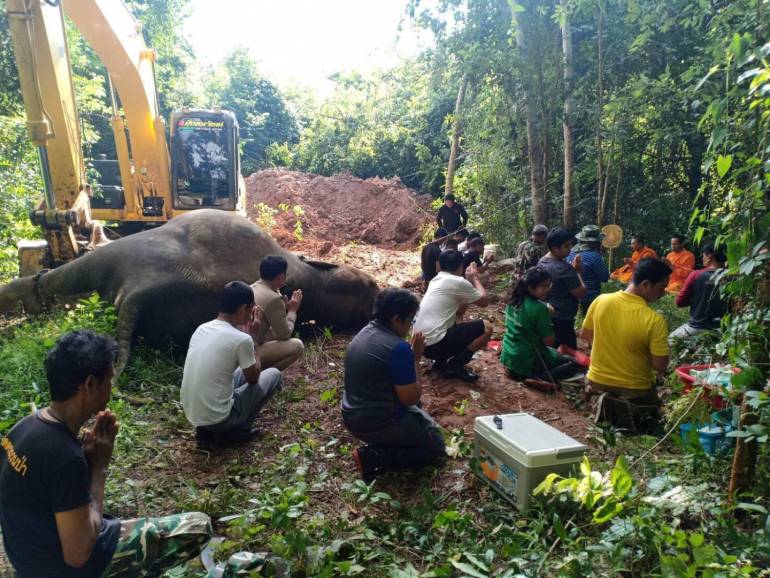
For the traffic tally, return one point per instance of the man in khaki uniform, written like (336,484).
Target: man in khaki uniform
(277,348)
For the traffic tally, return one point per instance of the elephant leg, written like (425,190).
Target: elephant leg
(128,314)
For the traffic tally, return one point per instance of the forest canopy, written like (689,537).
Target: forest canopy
(571,112)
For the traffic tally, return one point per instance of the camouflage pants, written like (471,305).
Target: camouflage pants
(150,546)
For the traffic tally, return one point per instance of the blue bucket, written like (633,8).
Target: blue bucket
(686,428)
(713,438)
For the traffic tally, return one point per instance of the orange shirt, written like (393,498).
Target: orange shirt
(626,272)
(683,263)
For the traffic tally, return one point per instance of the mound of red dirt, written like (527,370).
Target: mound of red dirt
(339,209)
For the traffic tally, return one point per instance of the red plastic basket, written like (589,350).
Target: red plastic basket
(688,381)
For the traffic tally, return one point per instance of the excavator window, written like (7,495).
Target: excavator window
(204,162)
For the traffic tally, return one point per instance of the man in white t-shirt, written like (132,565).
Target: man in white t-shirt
(223,387)
(448,343)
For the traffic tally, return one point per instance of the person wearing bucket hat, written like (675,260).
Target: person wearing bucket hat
(595,270)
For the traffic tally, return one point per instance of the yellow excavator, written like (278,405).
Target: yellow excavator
(152,180)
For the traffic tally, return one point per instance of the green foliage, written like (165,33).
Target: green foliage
(23,348)
(20,189)
(663,524)
(266,216)
(163,26)
(601,495)
(10,94)
(263,116)
(387,124)
(736,207)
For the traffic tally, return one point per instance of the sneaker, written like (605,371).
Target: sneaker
(207,439)
(460,360)
(367,475)
(540,385)
(359,462)
(464,374)
(439,365)
(577,379)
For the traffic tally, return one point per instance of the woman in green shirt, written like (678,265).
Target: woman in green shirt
(529,335)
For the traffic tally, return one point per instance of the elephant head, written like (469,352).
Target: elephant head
(345,297)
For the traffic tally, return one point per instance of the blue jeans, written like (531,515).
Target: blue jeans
(410,441)
(248,400)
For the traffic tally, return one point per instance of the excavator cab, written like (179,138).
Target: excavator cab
(204,159)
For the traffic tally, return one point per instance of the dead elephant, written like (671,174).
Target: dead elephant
(165,282)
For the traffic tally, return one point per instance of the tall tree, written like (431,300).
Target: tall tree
(600,170)
(534,128)
(568,122)
(455,139)
(262,113)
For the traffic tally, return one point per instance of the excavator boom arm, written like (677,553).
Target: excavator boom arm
(116,36)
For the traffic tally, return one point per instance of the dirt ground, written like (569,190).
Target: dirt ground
(339,209)
(453,403)
(375,225)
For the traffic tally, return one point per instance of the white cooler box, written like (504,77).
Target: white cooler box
(516,458)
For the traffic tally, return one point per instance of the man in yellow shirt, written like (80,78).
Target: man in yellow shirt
(630,339)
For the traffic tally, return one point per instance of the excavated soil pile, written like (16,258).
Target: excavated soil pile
(339,209)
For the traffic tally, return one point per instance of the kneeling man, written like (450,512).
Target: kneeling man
(223,385)
(382,391)
(451,344)
(277,348)
(630,339)
(52,477)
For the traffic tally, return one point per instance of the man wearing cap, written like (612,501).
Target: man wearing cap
(452,215)
(595,270)
(529,252)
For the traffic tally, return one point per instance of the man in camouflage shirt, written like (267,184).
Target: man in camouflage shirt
(529,252)
(52,477)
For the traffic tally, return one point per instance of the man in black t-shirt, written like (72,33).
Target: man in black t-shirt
(52,482)
(429,256)
(475,253)
(451,216)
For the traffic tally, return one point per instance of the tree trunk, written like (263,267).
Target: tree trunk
(599,108)
(534,138)
(546,146)
(617,189)
(455,143)
(696,145)
(604,184)
(745,457)
(567,124)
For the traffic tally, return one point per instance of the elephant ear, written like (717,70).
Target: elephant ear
(320,265)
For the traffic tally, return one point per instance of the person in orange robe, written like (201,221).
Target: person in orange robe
(682,263)
(640,251)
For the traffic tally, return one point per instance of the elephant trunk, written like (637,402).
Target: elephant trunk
(23,291)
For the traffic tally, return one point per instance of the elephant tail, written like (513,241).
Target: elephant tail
(23,290)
